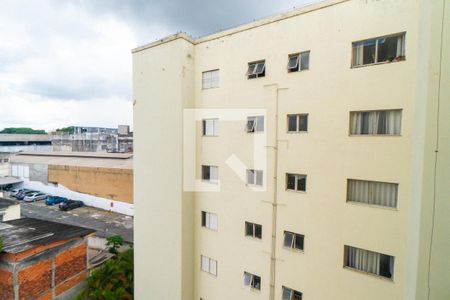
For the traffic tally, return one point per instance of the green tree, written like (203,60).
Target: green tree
(22,130)
(2,245)
(113,243)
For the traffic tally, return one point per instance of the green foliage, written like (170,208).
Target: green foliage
(113,243)
(22,130)
(69,129)
(113,281)
(1,244)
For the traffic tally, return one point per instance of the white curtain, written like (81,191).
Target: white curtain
(358,54)
(364,260)
(376,122)
(372,192)
(205,263)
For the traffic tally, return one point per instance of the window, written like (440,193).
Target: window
(379,50)
(208,265)
(210,173)
(293,240)
(372,192)
(376,122)
(298,62)
(253,230)
(255,177)
(290,294)
(255,124)
(210,127)
(369,261)
(2,214)
(297,123)
(256,69)
(252,281)
(296,182)
(210,79)
(209,220)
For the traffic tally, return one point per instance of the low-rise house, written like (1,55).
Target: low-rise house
(42,260)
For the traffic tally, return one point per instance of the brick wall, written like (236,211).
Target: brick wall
(70,263)
(35,280)
(6,285)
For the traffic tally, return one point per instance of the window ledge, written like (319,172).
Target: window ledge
(253,238)
(374,135)
(295,250)
(207,135)
(370,274)
(294,191)
(296,132)
(372,205)
(378,63)
(211,88)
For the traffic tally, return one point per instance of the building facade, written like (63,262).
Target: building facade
(303,156)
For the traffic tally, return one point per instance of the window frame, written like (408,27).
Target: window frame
(215,181)
(346,264)
(350,134)
(297,123)
(256,127)
(294,241)
(255,177)
(211,86)
(209,271)
(253,233)
(251,284)
(296,177)
(205,220)
(347,200)
(399,58)
(292,292)
(253,74)
(299,56)
(215,127)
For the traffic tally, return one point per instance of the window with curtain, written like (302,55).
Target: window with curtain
(296,182)
(210,79)
(376,122)
(297,122)
(210,127)
(210,173)
(369,261)
(294,240)
(255,177)
(253,230)
(209,220)
(290,294)
(379,50)
(208,265)
(252,281)
(372,192)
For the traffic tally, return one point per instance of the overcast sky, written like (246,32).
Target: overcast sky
(68,62)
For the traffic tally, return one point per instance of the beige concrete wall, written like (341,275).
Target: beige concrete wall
(12,213)
(109,183)
(327,154)
(163,219)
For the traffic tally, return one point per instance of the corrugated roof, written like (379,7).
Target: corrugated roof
(24,234)
(9,180)
(80,159)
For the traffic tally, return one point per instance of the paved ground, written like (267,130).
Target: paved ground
(106,223)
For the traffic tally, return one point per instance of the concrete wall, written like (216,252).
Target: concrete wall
(109,183)
(12,213)
(163,219)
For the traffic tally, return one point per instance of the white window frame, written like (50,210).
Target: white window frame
(253,124)
(296,186)
(253,233)
(252,69)
(255,174)
(208,265)
(210,79)
(211,220)
(250,282)
(371,186)
(293,241)
(297,122)
(291,293)
(298,57)
(213,172)
(210,123)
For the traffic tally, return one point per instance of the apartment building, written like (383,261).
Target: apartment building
(302,156)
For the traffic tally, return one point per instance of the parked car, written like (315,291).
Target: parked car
(13,193)
(52,200)
(70,204)
(24,193)
(37,196)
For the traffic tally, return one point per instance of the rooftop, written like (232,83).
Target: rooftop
(6,180)
(278,17)
(24,234)
(4,137)
(81,159)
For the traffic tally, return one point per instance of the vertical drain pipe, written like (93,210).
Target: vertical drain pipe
(273,257)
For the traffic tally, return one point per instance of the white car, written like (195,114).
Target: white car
(35,197)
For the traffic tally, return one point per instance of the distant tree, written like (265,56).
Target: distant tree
(113,243)
(22,130)
(1,244)
(69,129)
